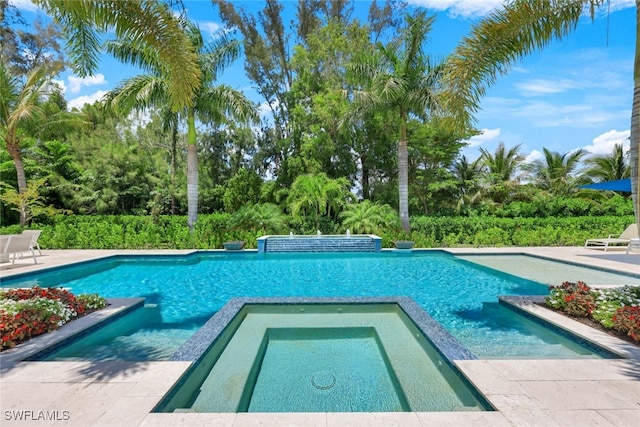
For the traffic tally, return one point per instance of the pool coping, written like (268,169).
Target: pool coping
(449,347)
(70,331)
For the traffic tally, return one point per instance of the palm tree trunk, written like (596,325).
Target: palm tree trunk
(366,186)
(634,134)
(192,171)
(174,150)
(403,176)
(13,147)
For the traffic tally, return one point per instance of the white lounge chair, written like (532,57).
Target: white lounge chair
(34,239)
(622,240)
(15,245)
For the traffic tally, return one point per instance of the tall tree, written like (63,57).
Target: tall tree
(267,53)
(23,50)
(400,77)
(517,29)
(211,104)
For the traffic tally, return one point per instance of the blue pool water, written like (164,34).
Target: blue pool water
(182,292)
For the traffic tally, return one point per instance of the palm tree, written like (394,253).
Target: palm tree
(318,195)
(519,28)
(266,217)
(399,77)
(467,176)
(503,164)
(557,173)
(21,108)
(368,217)
(609,167)
(210,104)
(502,169)
(147,23)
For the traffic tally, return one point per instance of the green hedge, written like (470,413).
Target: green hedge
(211,231)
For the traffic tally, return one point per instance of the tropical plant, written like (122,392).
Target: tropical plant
(501,170)
(557,172)
(211,104)
(368,217)
(29,203)
(318,195)
(608,167)
(242,189)
(468,178)
(21,108)
(266,217)
(400,77)
(517,29)
(503,164)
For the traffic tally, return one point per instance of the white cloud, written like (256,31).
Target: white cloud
(615,5)
(484,136)
(550,114)
(265,111)
(26,5)
(481,8)
(77,83)
(604,143)
(86,99)
(545,87)
(465,8)
(212,29)
(533,156)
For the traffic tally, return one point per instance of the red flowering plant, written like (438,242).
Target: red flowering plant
(27,312)
(576,299)
(616,308)
(627,321)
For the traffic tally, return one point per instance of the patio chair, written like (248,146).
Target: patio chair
(622,240)
(35,234)
(4,241)
(16,245)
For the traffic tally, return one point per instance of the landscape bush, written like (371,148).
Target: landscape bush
(212,230)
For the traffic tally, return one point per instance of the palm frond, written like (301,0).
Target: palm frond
(138,93)
(498,41)
(217,103)
(146,22)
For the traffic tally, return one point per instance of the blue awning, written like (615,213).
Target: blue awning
(617,185)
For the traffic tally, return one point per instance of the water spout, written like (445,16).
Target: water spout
(291,234)
(319,233)
(348,233)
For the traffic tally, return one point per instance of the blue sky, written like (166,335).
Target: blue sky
(574,94)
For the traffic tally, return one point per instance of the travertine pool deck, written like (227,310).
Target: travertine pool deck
(595,392)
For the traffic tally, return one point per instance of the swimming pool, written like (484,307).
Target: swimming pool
(182,292)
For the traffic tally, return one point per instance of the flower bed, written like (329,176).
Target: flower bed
(615,309)
(28,312)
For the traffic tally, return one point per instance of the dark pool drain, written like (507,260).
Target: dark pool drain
(323,380)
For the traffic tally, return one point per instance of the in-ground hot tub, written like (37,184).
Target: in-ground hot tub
(322,355)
